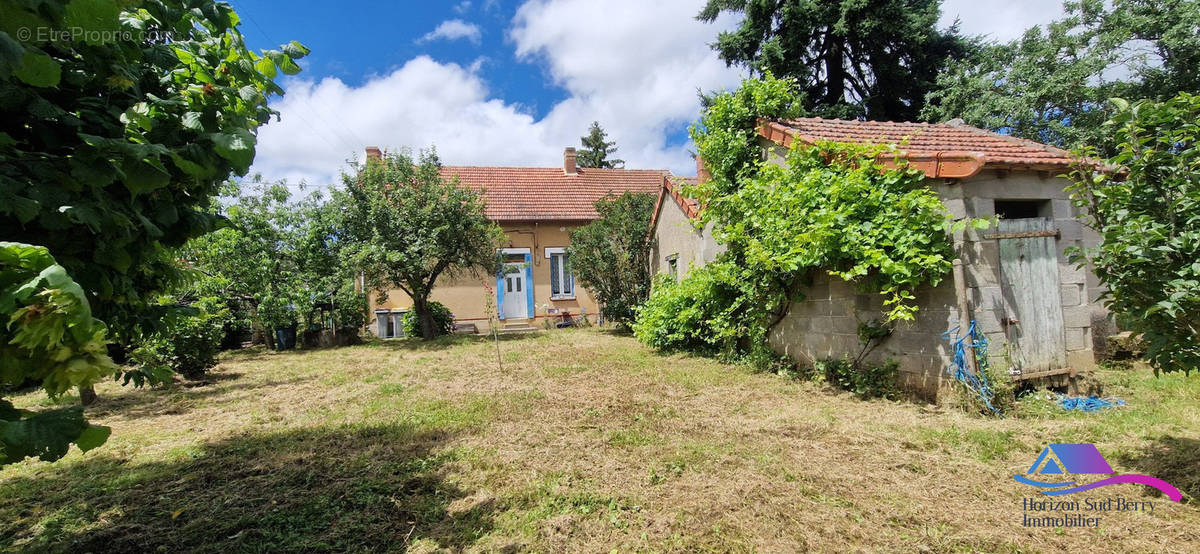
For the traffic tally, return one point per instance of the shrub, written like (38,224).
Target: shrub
(349,308)
(713,311)
(611,255)
(188,342)
(277,311)
(443,321)
(866,381)
(1149,220)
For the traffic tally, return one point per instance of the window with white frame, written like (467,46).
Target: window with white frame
(562,283)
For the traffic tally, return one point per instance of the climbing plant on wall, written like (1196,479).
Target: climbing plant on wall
(852,211)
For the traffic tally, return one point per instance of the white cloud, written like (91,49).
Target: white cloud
(1002,20)
(463,6)
(633,66)
(454,29)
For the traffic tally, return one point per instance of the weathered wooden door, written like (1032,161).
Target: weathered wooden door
(1029,278)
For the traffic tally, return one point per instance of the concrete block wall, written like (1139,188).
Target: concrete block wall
(824,324)
(1079,288)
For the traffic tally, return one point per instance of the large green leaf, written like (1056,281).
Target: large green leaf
(266,67)
(39,70)
(92,437)
(142,177)
(46,435)
(237,146)
(98,19)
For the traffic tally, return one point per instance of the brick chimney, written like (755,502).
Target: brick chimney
(374,154)
(569,161)
(702,174)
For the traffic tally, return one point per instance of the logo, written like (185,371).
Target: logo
(1066,460)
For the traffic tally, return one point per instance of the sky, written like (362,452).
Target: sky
(509,82)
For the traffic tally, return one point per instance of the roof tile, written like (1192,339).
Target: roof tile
(925,140)
(546,193)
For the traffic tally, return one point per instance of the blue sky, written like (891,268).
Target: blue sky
(507,82)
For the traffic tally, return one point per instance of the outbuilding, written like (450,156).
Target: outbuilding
(1038,310)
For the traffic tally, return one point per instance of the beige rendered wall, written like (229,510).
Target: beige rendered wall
(465,296)
(676,236)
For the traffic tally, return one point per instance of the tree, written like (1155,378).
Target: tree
(1052,84)
(48,335)
(114,142)
(611,255)
(853,58)
(406,227)
(1149,221)
(596,149)
(118,123)
(277,248)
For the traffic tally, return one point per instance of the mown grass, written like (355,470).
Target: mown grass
(583,441)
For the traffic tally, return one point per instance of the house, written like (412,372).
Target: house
(537,207)
(1038,311)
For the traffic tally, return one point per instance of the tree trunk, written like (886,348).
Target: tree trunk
(835,72)
(87,395)
(425,317)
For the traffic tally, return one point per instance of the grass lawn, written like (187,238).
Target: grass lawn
(584,441)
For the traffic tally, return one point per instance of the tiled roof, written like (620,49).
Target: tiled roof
(546,193)
(671,188)
(951,149)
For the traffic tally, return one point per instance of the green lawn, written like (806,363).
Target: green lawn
(583,441)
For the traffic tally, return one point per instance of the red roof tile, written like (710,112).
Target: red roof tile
(671,186)
(546,193)
(951,149)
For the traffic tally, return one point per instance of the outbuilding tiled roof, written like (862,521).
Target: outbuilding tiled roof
(671,188)
(951,149)
(547,193)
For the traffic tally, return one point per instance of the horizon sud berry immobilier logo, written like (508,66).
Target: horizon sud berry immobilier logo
(1064,462)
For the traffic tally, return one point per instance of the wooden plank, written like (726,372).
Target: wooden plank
(964,314)
(1031,234)
(1060,371)
(1030,283)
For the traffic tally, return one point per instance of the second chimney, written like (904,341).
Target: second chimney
(374,154)
(569,161)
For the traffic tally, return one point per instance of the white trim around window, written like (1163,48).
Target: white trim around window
(562,282)
(514,251)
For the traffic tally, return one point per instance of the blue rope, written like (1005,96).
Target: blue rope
(1088,403)
(958,368)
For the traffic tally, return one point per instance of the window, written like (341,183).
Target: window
(1022,209)
(562,283)
(673,266)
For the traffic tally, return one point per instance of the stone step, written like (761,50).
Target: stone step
(517,326)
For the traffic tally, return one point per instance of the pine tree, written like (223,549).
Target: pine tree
(596,149)
(853,58)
